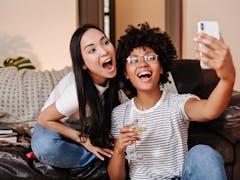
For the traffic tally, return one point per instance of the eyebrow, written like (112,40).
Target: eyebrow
(103,37)
(146,53)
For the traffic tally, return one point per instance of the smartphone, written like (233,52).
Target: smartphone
(211,28)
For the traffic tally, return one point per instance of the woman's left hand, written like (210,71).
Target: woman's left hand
(99,152)
(217,55)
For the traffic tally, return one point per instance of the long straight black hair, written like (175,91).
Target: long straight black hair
(97,126)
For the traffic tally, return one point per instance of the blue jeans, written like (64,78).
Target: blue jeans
(203,162)
(52,149)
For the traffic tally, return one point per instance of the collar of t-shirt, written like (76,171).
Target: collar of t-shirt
(102,89)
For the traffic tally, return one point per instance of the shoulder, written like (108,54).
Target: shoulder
(66,81)
(68,77)
(122,107)
(122,96)
(65,86)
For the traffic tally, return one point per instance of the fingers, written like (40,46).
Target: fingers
(216,54)
(135,121)
(123,142)
(126,137)
(99,156)
(101,152)
(212,48)
(106,152)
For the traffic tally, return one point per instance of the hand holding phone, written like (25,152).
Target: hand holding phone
(211,28)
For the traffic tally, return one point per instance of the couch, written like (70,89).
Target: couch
(22,94)
(223,133)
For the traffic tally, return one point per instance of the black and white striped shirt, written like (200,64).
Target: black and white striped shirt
(164,143)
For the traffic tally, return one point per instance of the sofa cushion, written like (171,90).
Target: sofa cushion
(190,78)
(199,136)
(14,164)
(23,93)
(228,124)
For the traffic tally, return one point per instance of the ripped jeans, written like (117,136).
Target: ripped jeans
(52,149)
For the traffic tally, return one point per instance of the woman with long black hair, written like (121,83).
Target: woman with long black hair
(74,124)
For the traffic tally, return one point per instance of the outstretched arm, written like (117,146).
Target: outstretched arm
(218,57)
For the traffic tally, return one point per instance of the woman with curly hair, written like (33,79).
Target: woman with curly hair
(145,56)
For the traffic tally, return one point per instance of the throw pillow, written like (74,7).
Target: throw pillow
(23,93)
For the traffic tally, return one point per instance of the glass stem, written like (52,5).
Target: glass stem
(135,149)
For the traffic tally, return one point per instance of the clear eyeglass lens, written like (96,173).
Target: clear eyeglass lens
(134,60)
(149,58)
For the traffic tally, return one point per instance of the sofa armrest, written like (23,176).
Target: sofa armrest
(235,99)
(228,124)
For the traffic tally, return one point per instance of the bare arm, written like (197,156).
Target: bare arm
(116,167)
(219,58)
(50,119)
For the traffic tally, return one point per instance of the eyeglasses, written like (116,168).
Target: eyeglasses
(148,58)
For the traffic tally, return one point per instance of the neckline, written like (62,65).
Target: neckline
(151,108)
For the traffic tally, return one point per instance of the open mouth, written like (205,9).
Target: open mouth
(145,74)
(108,64)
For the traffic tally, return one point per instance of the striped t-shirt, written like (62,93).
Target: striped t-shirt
(163,145)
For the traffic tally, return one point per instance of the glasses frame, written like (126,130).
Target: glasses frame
(136,60)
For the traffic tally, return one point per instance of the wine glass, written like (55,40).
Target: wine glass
(133,112)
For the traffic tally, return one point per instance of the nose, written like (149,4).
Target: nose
(103,51)
(142,61)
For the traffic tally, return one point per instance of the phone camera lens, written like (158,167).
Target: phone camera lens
(202,26)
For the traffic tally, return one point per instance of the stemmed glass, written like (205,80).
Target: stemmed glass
(133,112)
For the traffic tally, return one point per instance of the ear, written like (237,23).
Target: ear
(161,70)
(84,67)
(126,75)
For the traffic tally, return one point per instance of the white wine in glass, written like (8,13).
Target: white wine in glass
(138,128)
(133,112)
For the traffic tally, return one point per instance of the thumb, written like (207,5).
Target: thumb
(135,121)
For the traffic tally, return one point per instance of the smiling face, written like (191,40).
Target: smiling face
(144,76)
(98,55)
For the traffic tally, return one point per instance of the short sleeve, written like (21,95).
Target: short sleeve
(67,103)
(181,104)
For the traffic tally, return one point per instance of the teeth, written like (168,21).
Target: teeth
(144,73)
(108,60)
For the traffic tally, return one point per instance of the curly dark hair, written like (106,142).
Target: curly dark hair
(141,36)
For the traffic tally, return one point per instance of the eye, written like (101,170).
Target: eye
(133,60)
(106,42)
(91,51)
(151,57)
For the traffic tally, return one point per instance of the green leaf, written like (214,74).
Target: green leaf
(19,62)
(26,67)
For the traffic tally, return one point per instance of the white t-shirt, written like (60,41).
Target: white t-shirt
(66,99)
(163,145)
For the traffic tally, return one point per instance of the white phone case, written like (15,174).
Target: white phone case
(211,28)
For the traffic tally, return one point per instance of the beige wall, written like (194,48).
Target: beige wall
(139,11)
(39,30)
(226,13)
(153,11)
